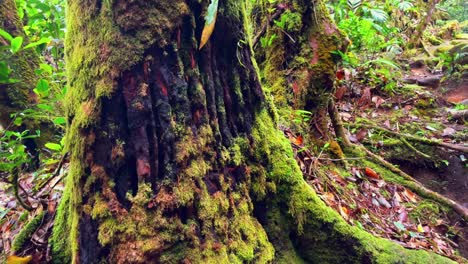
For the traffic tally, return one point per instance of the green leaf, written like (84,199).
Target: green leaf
(45,107)
(379,15)
(37,43)
(400,226)
(60,121)
(405,6)
(16,44)
(46,67)
(42,88)
(5,35)
(53,146)
(4,71)
(18,121)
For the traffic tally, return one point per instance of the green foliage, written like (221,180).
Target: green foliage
(44,25)
(13,152)
(267,41)
(456,9)
(289,21)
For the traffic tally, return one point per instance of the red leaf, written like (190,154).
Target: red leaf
(340,74)
(371,173)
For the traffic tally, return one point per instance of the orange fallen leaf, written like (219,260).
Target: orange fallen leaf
(344,212)
(329,198)
(371,173)
(410,195)
(299,140)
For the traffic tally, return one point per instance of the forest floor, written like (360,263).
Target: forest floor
(362,191)
(427,105)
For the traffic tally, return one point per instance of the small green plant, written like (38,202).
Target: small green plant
(266,42)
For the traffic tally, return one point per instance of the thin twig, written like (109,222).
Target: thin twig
(56,172)
(414,149)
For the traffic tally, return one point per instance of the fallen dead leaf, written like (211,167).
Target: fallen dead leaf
(344,212)
(361,134)
(410,195)
(448,132)
(377,100)
(371,173)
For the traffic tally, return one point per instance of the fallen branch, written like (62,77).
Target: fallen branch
(16,187)
(417,186)
(418,139)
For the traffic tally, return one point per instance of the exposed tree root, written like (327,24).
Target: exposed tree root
(338,125)
(418,187)
(417,139)
(415,149)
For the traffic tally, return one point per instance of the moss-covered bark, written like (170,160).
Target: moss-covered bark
(175,155)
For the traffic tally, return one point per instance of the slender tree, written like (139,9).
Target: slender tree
(15,97)
(18,96)
(175,156)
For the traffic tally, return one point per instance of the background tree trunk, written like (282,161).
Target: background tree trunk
(416,39)
(175,156)
(19,96)
(300,65)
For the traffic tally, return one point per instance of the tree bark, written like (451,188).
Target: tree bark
(175,156)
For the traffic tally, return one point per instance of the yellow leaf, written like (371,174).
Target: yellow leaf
(420,229)
(206,34)
(18,260)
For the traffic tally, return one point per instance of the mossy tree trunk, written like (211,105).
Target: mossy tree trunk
(300,65)
(417,36)
(175,156)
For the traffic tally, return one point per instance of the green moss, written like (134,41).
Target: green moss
(27,231)
(427,210)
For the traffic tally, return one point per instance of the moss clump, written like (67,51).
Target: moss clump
(426,210)
(27,231)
